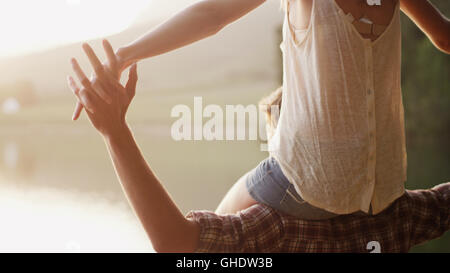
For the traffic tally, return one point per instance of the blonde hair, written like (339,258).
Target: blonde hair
(267,106)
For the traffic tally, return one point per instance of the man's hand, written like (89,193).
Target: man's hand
(106,108)
(115,64)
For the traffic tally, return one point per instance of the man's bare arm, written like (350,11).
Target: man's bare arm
(166,226)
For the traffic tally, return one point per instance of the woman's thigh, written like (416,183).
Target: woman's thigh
(237,198)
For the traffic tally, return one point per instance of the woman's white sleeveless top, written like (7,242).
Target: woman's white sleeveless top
(340,138)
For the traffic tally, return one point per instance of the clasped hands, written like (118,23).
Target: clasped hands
(105,99)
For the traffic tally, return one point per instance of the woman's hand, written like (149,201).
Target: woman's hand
(106,110)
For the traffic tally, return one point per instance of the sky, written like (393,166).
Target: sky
(30,25)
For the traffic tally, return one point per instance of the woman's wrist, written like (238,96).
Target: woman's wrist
(125,57)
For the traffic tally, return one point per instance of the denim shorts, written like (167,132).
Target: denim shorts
(267,184)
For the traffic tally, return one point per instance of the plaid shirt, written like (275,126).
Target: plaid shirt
(418,216)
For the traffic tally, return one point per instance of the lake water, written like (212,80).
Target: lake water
(62,187)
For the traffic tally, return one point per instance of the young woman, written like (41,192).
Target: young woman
(339,144)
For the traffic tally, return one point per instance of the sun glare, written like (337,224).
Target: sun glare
(28,25)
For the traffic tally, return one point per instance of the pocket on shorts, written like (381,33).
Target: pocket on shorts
(291,197)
